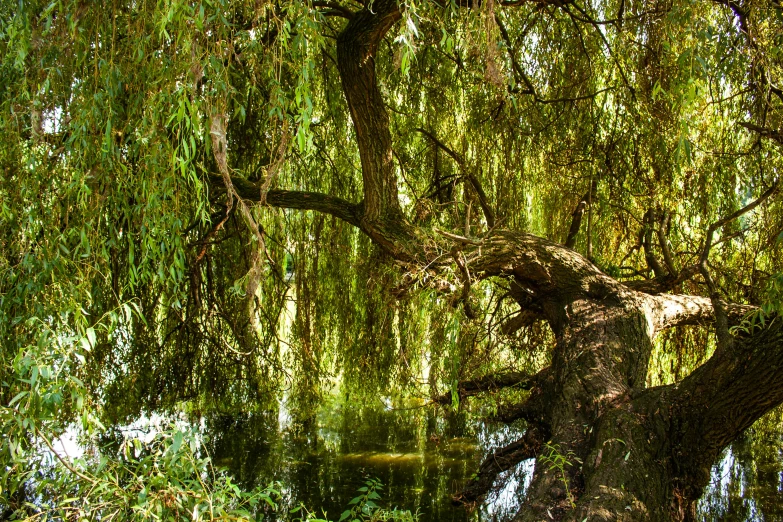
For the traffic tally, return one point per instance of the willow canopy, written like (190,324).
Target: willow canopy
(219,201)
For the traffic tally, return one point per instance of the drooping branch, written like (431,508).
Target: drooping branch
(519,72)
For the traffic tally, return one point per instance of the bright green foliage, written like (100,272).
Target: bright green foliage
(164,479)
(363,508)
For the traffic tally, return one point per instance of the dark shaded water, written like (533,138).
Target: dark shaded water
(423,458)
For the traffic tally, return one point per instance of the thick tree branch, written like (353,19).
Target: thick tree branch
(492,382)
(340,208)
(722,398)
(356,49)
(669,311)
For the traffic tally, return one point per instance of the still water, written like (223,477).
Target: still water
(423,457)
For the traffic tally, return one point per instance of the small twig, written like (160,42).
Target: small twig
(91,480)
(455,237)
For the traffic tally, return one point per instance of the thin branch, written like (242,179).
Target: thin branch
(91,480)
(576,216)
(274,168)
(489,214)
(606,43)
(448,150)
(649,255)
(529,88)
(775,135)
(300,200)
(459,239)
(721,317)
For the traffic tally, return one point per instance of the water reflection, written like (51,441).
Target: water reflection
(421,457)
(747,481)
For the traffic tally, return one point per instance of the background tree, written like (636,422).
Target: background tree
(527,193)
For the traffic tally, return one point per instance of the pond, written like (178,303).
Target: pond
(423,456)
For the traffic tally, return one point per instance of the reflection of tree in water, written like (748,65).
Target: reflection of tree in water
(421,458)
(747,481)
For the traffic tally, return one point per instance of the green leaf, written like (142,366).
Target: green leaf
(91,337)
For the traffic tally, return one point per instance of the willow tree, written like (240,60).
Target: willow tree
(444,188)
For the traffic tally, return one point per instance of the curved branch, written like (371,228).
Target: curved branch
(356,49)
(721,317)
(337,207)
(722,398)
(497,462)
